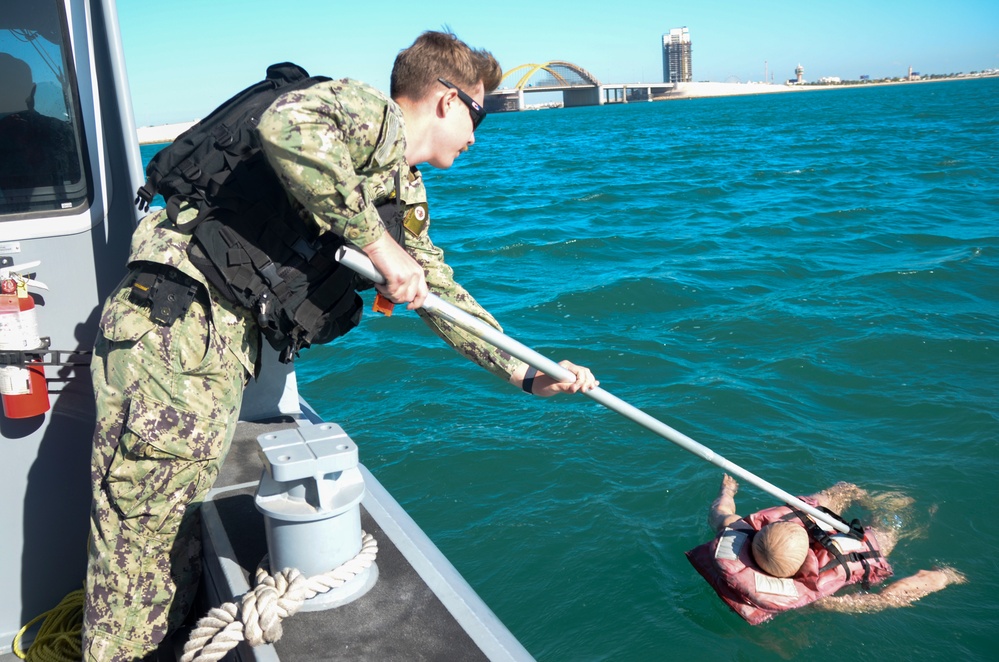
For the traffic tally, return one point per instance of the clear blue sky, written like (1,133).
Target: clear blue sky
(186,56)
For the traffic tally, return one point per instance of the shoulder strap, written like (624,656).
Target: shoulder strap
(823,538)
(195,165)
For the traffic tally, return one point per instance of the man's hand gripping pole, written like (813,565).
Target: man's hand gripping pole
(360,263)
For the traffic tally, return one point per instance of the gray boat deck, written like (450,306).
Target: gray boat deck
(419,608)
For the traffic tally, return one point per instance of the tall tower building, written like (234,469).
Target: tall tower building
(676,56)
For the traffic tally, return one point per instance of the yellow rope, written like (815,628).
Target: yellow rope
(58,639)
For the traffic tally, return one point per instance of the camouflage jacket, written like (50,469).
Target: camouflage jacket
(337,147)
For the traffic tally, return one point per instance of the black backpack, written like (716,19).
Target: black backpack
(198,166)
(249,240)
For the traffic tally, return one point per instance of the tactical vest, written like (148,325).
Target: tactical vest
(277,265)
(260,249)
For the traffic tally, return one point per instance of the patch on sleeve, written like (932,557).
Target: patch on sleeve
(390,145)
(417,219)
(775,585)
(730,544)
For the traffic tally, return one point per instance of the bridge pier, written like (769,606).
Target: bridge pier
(613,94)
(502,101)
(582,96)
(640,93)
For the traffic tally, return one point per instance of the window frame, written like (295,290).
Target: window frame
(74,216)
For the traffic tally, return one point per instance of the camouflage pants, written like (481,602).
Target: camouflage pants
(167,403)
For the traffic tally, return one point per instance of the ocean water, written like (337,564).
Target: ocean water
(806,283)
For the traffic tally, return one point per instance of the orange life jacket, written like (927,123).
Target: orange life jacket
(834,560)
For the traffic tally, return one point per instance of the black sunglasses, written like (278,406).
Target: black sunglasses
(477,112)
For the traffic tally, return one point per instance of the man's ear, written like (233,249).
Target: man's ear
(445,101)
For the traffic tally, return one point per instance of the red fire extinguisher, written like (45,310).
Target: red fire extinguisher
(22,387)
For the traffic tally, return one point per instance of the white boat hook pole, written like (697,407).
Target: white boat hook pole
(360,263)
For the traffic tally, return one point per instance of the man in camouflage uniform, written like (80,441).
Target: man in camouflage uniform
(168,395)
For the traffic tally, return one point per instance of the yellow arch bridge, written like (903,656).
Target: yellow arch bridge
(578,87)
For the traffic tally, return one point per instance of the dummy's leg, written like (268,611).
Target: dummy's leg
(839,497)
(886,537)
(899,594)
(890,512)
(893,512)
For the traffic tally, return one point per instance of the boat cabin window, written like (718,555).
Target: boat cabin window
(41,158)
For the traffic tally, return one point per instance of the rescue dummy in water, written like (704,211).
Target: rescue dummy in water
(780,558)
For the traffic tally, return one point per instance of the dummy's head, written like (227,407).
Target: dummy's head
(780,548)
(442,55)
(17,90)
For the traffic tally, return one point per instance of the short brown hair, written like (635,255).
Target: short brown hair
(442,55)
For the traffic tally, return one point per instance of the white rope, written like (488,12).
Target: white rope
(257,618)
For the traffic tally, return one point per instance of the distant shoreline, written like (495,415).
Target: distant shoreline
(703,90)
(164,133)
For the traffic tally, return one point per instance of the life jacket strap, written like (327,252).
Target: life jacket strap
(822,537)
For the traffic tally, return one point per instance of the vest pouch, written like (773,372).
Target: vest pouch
(336,325)
(210,245)
(270,260)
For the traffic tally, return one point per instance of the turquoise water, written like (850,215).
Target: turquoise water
(806,283)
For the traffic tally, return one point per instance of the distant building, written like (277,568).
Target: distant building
(799,76)
(676,57)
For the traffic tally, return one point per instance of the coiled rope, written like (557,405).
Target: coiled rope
(58,639)
(257,618)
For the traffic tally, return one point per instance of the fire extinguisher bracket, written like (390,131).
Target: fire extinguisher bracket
(42,355)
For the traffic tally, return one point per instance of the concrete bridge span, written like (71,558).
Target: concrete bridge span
(578,87)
